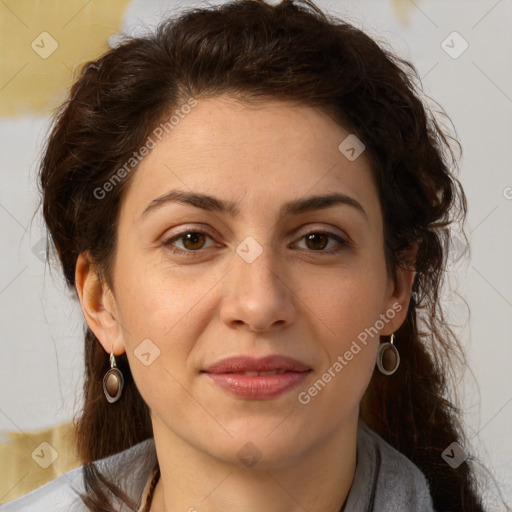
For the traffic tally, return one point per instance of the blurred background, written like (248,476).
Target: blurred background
(463,53)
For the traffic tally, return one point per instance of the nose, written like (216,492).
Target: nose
(258,294)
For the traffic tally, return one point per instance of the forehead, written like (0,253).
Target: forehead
(252,154)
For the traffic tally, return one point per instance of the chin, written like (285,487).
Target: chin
(261,446)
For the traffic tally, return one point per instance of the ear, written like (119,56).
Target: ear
(98,305)
(398,294)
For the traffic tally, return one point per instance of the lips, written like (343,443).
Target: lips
(257,379)
(250,366)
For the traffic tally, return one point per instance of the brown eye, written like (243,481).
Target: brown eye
(193,240)
(316,241)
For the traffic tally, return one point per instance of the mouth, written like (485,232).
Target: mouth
(273,372)
(257,379)
(275,364)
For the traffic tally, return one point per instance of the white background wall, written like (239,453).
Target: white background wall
(41,328)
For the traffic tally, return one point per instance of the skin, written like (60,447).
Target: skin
(295,299)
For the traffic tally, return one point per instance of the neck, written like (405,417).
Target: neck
(193,480)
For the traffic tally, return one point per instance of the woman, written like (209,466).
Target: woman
(253,206)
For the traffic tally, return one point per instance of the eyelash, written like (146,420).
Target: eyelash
(189,253)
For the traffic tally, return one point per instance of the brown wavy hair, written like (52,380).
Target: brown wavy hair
(257,52)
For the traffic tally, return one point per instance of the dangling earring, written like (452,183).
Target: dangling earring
(113,381)
(388,358)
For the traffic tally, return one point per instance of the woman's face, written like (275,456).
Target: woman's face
(249,280)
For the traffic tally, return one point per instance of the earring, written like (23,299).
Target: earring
(113,381)
(388,358)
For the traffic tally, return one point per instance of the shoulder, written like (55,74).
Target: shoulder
(59,495)
(130,468)
(385,479)
(394,467)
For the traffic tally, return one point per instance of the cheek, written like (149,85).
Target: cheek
(164,312)
(347,313)
(154,299)
(346,334)
(345,300)
(161,321)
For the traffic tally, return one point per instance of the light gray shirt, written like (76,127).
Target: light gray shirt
(384,481)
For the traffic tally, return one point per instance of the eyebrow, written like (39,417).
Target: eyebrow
(214,204)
